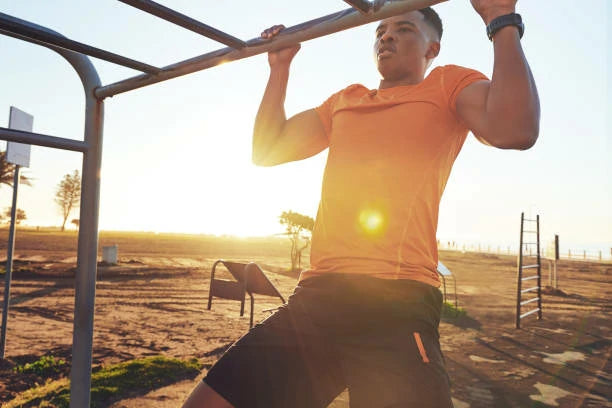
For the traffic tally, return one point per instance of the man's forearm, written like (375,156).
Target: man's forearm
(513,106)
(271,116)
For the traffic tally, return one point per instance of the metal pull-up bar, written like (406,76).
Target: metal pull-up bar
(362,5)
(237,49)
(187,22)
(309,30)
(14,25)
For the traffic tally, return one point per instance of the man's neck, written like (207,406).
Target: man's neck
(407,80)
(413,76)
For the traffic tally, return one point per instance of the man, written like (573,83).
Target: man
(365,316)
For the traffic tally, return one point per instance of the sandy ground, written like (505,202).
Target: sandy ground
(154,302)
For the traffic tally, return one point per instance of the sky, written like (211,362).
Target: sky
(176,155)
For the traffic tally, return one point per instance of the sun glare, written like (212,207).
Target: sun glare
(371,221)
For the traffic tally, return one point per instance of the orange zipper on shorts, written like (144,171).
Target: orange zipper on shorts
(419,343)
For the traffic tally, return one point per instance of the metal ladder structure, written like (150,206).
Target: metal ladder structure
(75,53)
(534,266)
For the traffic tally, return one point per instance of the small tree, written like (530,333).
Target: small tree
(20,215)
(299,227)
(68,194)
(7,173)
(75,221)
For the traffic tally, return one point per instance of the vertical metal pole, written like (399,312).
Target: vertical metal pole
(9,264)
(519,276)
(557,256)
(455,290)
(85,279)
(539,270)
(444,285)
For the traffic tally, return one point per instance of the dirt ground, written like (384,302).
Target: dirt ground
(154,302)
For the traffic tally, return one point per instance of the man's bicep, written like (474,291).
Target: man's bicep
(303,136)
(471,107)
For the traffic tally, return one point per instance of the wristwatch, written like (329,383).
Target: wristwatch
(503,21)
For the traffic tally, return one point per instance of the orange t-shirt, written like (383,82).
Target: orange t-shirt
(390,154)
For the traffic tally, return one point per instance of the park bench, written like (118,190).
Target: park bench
(249,278)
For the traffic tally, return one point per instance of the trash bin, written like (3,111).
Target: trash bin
(109,254)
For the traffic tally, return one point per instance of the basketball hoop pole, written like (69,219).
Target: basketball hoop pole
(9,263)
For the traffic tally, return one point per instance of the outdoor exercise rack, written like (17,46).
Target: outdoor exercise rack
(91,147)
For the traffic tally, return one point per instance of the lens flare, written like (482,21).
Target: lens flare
(371,221)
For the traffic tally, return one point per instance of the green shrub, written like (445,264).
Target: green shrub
(449,310)
(45,366)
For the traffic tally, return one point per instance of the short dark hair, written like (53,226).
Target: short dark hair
(433,19)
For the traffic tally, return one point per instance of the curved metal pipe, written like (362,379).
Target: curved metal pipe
(85,279)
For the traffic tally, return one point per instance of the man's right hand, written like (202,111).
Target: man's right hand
(281,57)
(277,139)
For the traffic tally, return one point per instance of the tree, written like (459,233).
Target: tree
(20,215)
(299,227)
(7,173)
(68,194)
(75,221)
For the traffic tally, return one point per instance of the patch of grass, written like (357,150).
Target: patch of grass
(112,383)
(449,310)
(44,366)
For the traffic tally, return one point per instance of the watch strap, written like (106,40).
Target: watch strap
(513,19)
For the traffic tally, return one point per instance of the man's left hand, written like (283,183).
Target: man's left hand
(490,9)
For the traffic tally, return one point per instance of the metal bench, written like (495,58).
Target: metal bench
(249,278)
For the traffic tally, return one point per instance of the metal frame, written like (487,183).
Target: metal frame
(240,285)
(74,52)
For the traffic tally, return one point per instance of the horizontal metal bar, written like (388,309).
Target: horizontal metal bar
(530,266)
(302,32)
(362,5)
(16,26)
(529,290)
(38,139)
(527,219)
(529,301)
(187,22)
(531,232)
(530,278)
(530,243)
(530,312)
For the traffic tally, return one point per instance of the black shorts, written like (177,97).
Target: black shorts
(377,337)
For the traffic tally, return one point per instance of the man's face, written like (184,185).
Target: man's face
(402,45)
